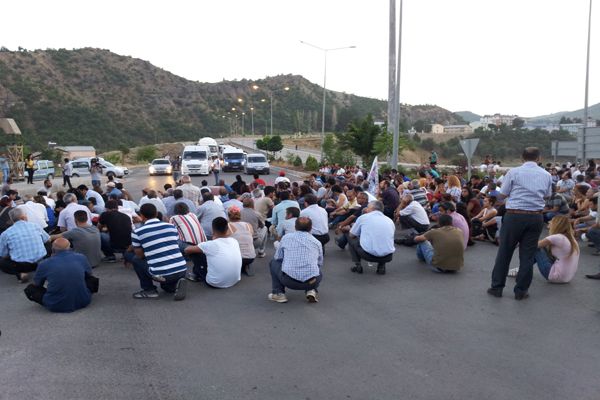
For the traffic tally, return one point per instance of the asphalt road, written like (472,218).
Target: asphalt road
(410,334)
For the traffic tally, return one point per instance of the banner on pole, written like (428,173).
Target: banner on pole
(373,178)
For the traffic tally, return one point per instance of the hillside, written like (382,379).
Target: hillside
(593,112)
(468,116)
(96,97)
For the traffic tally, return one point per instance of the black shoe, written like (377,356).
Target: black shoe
(521,295)
(381,270)
(248,270)
(494,292)
(180,290)
(357,268)
(594,276)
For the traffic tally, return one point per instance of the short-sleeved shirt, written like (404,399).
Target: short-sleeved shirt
(557,200)
(159,242)
(375,232)
(224,261)
(86,241)
(119,228)
(565,266)
(66,218)
(448,247)
(23,242)
(189,228)
(262,206)
(390,198)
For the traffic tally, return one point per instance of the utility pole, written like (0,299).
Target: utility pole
(587,84)
(392,66)
(396,130)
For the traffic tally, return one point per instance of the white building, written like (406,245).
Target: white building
(437,128)
(498,119)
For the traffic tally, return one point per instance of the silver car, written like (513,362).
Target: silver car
(160,166)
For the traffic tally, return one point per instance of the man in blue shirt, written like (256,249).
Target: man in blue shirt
(65,272)
(4,166)
(21,245)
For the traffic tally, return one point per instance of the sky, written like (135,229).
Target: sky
(524,57)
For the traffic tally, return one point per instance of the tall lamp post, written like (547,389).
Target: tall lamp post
(255,87)
(325,51)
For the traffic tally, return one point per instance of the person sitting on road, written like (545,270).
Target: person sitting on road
(371,238)
(318,217)
(289,225)
(389,197)
(239,186)
(217,262)
(297,264)
(207,212)
(442,248)
(156,257)
(252,217)
(282,178)
(343,228)
(458,221)
(22,246)
(484,224)
(66,218)
(232,201)
(85,239)
(188,227)
(411,214)
(243,233)
(67,274)
(92,194)
(556,204)
(189,190)
(152,198)
(115,231)
(278,214)
(177,198)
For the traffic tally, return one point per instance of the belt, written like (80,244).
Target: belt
(511,211)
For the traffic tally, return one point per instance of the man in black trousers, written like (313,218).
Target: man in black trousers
(525,186)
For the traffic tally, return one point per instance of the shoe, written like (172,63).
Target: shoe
(339,245)
(312,296)
(357,268)
(23,278)
(146,294)
(381,270)
(261,255)
(180,290)
(278,297)
(521,295)
(594,276)
(248,270)
(190,276)
(112,259)
(512,273)
(494,292)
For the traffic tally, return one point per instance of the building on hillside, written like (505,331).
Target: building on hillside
(478,124)
(437,129)
(72,152)
(498,119)
(458,129)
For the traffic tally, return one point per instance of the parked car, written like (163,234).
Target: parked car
(81,167)
(257,164)
(160,166)
(44,169)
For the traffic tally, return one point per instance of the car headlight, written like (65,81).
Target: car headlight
(152,170)
(169,168)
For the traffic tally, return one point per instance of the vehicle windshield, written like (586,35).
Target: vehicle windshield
(257,159)
(194,155)
(233,156)
(213,149)
(107,164)
(161,162)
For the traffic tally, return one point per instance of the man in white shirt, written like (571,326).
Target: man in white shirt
(152,198)
(411,214)
(190,191)
(372,238)
(318,217)
(89,193)
(36,212)
(281,178)
(217,262)
(66,218)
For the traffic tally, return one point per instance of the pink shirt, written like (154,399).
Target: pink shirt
(564,268)
(458,221)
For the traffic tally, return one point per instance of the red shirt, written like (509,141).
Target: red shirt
(259,182)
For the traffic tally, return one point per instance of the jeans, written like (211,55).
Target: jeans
(549,215)
(342,240)
(323,239)
(29,175)
(67,181)
(279,280)
(593,236)
(106,247)
(146,280)
(425,252)
(5,174)
(216,174)
(523,230)
(408,222)
(543,262)
(14,268)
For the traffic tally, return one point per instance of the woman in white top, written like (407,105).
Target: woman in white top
(557,256)
(483,226)
(454,188)
(243,233)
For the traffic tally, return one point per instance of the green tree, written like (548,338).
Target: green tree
(297,161)
(146,153)
(275,144)
(360,138)
(311,164)
(518,123)
(385,143)
(428,144)
(124,152)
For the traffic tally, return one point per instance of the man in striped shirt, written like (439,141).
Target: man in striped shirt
(157,256)
(188,227)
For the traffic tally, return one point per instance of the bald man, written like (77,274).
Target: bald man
(67,274)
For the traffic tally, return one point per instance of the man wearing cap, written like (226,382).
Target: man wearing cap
(282,178)
(111,189)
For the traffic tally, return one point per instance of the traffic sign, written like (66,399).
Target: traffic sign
(469,146)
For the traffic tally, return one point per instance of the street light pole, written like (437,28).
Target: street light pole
(243,119)
(587,84)
(271,97)
(325,51)
(252,119)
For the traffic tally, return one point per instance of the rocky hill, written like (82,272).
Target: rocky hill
(96,97)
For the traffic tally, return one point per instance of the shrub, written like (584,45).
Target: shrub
(311,164)
(146,153)
(297,161)
(114,158)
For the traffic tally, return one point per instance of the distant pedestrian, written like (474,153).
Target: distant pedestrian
(216,169)
(525,186)
(5,167)
(67,173)
(29,167)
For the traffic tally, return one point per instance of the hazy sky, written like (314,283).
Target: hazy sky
(523,57)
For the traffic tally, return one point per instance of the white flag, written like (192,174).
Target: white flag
(374,178)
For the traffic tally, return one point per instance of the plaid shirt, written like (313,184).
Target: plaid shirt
(23,242)
(302,255)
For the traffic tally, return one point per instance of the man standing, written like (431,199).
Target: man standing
(67,173)
(65,273)
(157,257)
(525,187)
(21,245)
(297,264)
(216,169)
(5,167)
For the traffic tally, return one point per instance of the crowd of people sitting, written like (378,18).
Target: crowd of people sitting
(60,235)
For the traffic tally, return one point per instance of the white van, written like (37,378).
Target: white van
(233,159)
(195,160)
(212,144)
(257,164)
